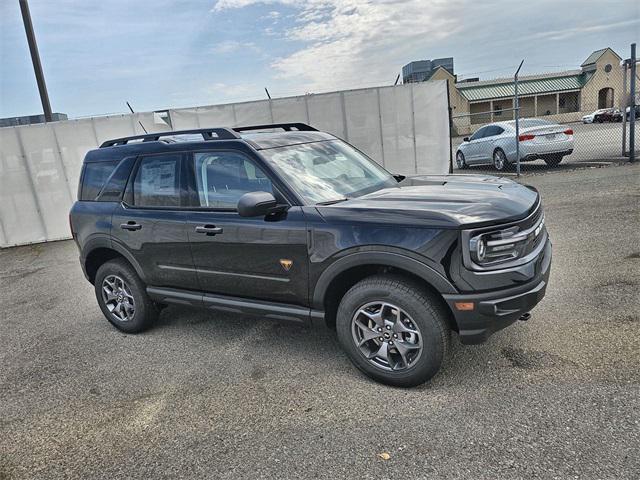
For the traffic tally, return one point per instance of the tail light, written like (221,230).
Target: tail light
(526,137)
(568,131)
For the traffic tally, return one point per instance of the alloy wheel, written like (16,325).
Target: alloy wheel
(387,336)
(499,160)
(460,160)
(118,299)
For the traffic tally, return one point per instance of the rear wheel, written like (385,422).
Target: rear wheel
(122,297)
(393,330)
(460,161)
(500,161)
(554,160)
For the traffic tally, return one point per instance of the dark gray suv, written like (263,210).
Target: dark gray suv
(288,223)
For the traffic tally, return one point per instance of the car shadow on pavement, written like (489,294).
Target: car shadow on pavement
(304,346)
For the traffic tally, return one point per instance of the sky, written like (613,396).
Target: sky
(98,54)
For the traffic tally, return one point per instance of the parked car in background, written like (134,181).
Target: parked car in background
(607,115)
(591,117)
(496,143)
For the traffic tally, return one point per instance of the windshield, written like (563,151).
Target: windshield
(328,171)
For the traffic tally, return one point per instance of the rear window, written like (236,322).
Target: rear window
(94,177)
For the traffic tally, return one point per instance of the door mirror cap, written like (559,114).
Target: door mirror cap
(465,139)
(256,204)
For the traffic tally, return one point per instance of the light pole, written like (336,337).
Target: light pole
(35,59)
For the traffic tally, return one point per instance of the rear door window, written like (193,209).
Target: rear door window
(492,131)
(94,177)
(157,181)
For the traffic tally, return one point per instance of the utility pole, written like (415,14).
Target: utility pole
(516,107)
(35,58)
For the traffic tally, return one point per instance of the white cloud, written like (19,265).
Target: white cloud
(350,43)
(584,30)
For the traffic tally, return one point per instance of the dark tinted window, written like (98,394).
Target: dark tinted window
(479,134)
(493,130)
(223,177)
(94,177)
(112,191)
(157,182)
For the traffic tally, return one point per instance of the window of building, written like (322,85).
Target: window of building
(223,177)
(157,182)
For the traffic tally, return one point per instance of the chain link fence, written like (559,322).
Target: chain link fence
(585,126)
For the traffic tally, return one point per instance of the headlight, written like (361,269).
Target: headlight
(500,247)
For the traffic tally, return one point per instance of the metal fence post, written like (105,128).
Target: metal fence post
(632,107)
(625,103)
(517,112)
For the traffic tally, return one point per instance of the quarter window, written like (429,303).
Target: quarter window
(94,178)
(157,182)
(223,177)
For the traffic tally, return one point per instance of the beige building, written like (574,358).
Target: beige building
(560,96)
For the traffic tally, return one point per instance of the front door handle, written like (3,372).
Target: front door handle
(209,229)
(130,225)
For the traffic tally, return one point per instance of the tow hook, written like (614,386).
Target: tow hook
(525,317)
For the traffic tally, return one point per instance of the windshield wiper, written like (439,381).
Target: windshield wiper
(331,202)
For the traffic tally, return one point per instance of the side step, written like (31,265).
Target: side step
(223,303)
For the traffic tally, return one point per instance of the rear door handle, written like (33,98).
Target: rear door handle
(130,225)
(209,229)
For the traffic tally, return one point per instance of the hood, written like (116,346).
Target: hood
(445,201)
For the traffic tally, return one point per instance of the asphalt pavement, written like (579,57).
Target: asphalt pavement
(206,395)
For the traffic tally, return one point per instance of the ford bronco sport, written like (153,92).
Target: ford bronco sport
(290,223)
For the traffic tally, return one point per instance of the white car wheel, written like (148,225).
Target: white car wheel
(500,161)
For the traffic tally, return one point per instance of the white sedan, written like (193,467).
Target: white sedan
(591,117)
(496,143)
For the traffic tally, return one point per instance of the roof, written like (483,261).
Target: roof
(231,138)
(593,58)
(536,85)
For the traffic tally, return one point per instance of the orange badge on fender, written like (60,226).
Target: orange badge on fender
(286,264)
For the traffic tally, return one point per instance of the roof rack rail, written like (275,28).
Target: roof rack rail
(207,134)
(287,127)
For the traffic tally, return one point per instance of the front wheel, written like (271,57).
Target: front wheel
(460,161)
(500,161)
(393,330)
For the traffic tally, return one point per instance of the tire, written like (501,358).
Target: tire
(117,282)
(553,161)
(500,161)
(423,322)
(460,161)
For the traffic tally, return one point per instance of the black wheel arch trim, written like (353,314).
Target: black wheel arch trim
(104,241)
(390,259)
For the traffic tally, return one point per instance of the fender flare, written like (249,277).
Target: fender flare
(108,243)
(425,272)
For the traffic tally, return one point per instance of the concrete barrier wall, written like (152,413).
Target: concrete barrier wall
(404,128)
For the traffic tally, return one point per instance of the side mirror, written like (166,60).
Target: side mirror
(256,204)
(465,139)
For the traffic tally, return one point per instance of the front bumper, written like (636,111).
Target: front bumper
(496,310)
